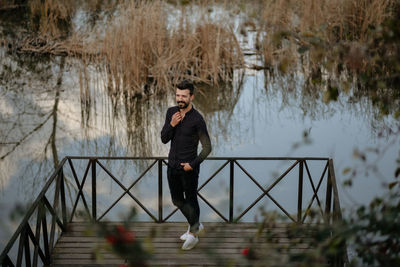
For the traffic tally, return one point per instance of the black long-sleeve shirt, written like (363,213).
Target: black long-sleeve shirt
(185,138)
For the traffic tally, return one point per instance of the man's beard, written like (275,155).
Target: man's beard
(182,105)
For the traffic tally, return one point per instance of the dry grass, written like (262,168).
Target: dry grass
(141,50)
(9,4)
(53,16)
(132,44)
(329,30)
(340,19)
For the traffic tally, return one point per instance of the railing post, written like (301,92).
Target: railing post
(300,192)
(94,205)
(231,184)
(28,262)
(7,262)
(340,257)
(45,236)
(40,213)
(22,237)
(160,192)
(328,202)
(55,208)
(337,214)
(63,206)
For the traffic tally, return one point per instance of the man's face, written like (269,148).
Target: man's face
(183,98)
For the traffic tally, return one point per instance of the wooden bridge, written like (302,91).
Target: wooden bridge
(51,233)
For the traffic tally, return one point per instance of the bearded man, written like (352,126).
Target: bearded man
(185,127)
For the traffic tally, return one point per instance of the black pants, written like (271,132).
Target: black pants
(183,188)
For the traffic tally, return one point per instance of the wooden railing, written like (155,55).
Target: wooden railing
(35,248)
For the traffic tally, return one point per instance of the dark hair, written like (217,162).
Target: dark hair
(185,84)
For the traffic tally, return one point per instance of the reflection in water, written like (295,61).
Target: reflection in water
(309,90)
(130,125)
(28,100)
(57,106)
(52,138)
(94,120)
(142,117)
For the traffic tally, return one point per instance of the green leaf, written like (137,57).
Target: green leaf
(397,114)
(302,49)
(346,170)
(326,97)
(348,182)
(397,172)
(391,185)
(323,26)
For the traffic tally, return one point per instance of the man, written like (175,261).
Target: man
(185,127)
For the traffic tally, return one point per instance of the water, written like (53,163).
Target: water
(54,107)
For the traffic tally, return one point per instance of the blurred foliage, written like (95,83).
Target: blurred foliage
(122,241)
(371,232)
(19,211)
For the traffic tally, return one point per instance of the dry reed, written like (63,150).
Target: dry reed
(141,48)
(317,22)
(52,16)
(340,19)
(143,52)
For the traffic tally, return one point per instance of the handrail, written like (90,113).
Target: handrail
(41,205)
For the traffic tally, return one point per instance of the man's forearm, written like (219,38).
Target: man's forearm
(167,133)
(205,151)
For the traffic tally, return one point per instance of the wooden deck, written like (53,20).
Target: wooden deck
(220,245)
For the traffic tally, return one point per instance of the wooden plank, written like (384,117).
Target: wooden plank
(170,262)
(240,225)
(165,250)
(169,239)
(192,254)
(183,229)
(56,262)
(177,234)
(177,245)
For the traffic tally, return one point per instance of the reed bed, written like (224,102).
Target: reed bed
(317,26)
(51,17)
(142,47)
(143,52)
(337,19)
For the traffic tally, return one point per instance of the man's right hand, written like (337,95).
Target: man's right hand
(176,118)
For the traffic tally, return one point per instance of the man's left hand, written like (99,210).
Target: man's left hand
(187,167)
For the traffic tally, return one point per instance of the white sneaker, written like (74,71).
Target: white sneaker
(190,242)
(184,236)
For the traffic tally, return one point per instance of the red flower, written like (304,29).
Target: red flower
(128,237)
(121,229)
(245,251)
(125,235)
(111,239)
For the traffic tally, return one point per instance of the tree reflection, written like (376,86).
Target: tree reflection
(309,89)
(144,117)
(30,91)
(52,138)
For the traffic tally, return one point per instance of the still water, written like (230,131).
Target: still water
(53,107)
